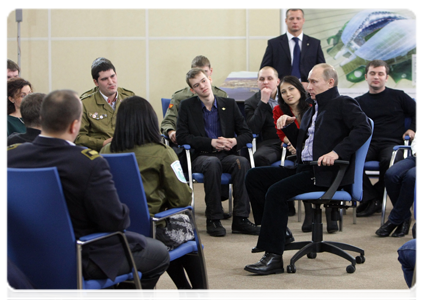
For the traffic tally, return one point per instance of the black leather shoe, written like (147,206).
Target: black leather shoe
(289,238)
(402,229)
(198,294)
(270,263)
(362,207)
(373,207)
(291,209)
(386,229)
(184,293)
(331,223)
(244,226)
(215,228)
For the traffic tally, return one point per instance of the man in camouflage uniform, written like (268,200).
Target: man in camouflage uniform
(100,106)
(168,125)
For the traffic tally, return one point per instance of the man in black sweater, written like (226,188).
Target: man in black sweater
(388,108)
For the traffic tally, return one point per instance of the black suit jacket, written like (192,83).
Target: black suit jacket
(340,126)
(90,195)
(278,56)
(190,125)
(259,116)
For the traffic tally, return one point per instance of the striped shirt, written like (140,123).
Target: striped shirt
(307,153)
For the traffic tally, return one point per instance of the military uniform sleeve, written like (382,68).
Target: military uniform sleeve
(101,198)
(177,191)
(83,138)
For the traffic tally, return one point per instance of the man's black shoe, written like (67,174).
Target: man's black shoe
(386,229)
(402,229)
(270,263)
(373,207)
(215,228)
(289,238)
(244,226)
(362,207)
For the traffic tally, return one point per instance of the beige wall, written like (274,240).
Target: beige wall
(151,49)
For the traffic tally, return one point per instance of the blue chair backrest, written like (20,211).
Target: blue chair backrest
(40,238)
(165,105)
(417,198)
(129,186)
(360,158)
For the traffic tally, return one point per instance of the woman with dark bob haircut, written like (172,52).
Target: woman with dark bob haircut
(293,103)
(17,89)
(137,131)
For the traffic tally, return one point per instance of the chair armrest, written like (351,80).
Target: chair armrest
(343,164)
(96,237)
(170,212)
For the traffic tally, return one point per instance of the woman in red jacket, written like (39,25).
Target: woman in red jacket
(292,102)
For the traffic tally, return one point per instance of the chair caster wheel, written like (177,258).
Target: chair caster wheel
(291,269)
(350,269)
(312,255)
(360,259)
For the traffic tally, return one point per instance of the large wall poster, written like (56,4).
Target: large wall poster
(352,38)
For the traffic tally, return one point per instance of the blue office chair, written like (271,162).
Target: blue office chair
(165,105)
(129,186)
(335,199)
(226,178)
(371,168)
(40,237)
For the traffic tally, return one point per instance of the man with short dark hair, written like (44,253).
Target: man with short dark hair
(30,111)
(13,69)
(388,108)
(209,124)
(168,125)
(259,117)
(293,53)
(334,128)
(100,106)
(89,191)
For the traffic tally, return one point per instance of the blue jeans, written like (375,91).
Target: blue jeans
(407,258)
(400,180)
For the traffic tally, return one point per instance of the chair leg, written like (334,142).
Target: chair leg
(230,199)
(385,196)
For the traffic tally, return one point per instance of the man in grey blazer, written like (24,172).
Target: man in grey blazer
(216,130)
(280,50)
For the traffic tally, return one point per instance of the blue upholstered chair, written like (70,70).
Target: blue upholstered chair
(165,105)
(335,199)
(226,178)
(129,186)
(40,237)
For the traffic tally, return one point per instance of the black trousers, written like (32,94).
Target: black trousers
(274,186)
(267,154)
(382,152)
(212,166)
(152,262)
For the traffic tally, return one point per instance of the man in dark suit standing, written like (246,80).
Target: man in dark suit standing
(209,124)
(334,128)
(293,53)
(90,194)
